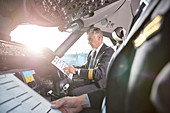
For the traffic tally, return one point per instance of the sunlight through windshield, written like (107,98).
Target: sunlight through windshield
(37,37)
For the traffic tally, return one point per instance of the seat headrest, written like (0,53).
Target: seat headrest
(119,34)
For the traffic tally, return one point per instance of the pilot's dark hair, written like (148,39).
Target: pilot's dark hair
(96,31)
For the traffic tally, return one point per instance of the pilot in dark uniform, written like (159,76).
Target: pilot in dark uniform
(136,64)
(93,73)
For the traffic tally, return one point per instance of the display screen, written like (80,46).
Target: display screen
(29,78)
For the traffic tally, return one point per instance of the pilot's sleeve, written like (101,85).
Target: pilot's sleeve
(100,71)
(96,98)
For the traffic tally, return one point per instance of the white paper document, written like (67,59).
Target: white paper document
(61,65)
(17,97)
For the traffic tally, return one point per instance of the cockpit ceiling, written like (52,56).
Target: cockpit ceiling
(74,14)
(69,10)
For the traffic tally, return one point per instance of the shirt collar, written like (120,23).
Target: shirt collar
(98,49)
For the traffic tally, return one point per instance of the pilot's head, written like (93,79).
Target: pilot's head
(95,37)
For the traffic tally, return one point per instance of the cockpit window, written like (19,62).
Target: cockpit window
(37,37)
(78,53)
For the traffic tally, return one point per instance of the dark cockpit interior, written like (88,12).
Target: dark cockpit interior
(36,71)
(74,16)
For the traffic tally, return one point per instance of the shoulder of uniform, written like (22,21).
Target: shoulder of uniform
(108,48)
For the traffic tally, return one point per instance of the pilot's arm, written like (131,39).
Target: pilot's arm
(98,72)
(92,100)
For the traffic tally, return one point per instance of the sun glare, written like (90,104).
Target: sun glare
(36,37)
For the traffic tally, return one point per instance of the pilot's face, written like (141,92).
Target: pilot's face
(94,41)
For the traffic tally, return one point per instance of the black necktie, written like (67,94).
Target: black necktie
(92,60)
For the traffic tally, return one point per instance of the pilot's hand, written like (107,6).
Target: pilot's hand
(71,104)
(70,69)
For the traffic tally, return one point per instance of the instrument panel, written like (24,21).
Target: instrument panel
(14,49)
(64,13)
